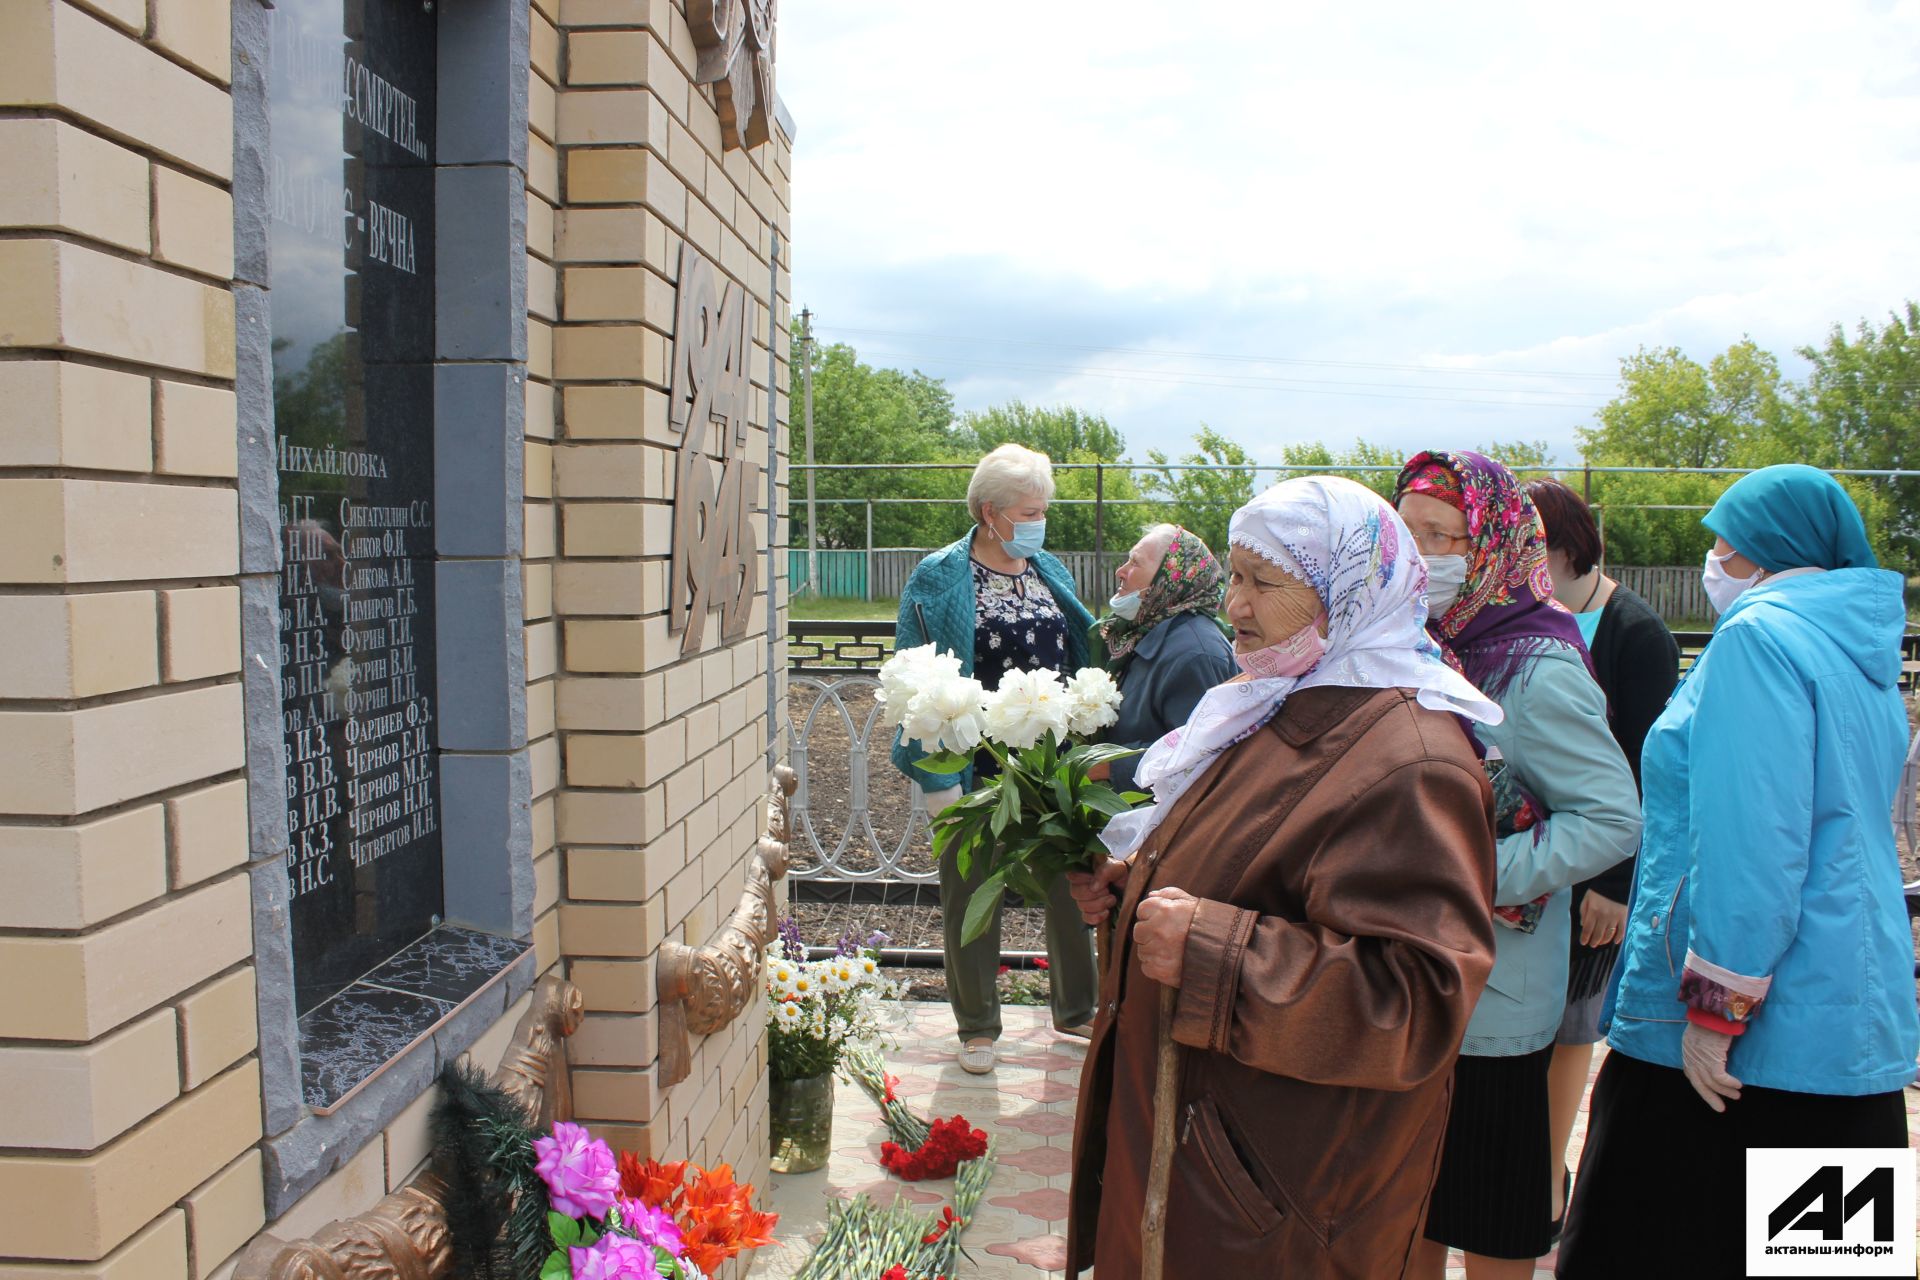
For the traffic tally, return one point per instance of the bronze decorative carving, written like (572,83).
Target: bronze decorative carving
(703,988)
(714,565)
(404,1237)
(735,43)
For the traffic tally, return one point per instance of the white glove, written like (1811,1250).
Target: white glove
(1703,1056)
(938,800)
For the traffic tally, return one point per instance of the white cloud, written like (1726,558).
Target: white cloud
(1502,186)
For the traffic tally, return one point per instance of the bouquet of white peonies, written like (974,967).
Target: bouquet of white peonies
(1042,815)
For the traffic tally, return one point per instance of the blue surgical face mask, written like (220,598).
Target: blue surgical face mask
(1126,605)
(1028,537)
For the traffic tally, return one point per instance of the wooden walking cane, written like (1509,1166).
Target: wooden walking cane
(1166,1101)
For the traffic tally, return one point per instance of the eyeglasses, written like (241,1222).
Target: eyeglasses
(1435,543)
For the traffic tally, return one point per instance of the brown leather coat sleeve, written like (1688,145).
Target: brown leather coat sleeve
(1373,989)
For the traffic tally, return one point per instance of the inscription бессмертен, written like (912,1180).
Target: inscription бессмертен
(351,186)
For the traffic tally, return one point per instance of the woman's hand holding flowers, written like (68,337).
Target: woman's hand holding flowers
(1095,892)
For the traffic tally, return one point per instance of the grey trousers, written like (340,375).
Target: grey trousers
(1073,981)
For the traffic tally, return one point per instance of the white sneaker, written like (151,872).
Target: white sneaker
(976,1057)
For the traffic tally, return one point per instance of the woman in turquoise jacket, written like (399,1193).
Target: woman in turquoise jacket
(999,603)
(1765,991)
(1565,811)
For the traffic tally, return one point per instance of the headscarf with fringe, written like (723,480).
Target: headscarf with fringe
(1505,614)
(1345,542)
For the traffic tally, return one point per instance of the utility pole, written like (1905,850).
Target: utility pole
(806,385)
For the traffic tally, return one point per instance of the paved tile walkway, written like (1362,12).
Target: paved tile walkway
(1027,1106)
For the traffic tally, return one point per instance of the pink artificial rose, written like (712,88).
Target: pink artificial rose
(578,1170)
(652,1225)
(614,1258)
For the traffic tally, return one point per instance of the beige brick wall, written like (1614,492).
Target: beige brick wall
(127,1022)
(663,765)
(543,411)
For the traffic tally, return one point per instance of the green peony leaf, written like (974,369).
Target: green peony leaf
(944,762)
(1103,799)
(1009,808)
(983,906)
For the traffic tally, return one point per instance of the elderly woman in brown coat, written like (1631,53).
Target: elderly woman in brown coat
(1306,916)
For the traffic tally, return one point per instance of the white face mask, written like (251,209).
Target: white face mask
(1445,576)
(1126,604)
(1722,587)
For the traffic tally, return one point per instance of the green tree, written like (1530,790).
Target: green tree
(1863,401)
(1067,436)
(863,414)
(1520,456)
(1060,432)
(1672,411)
(1202,501)
(1360,454)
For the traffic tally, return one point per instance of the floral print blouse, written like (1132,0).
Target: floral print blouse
(1017,625)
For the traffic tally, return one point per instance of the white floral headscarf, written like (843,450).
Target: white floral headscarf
(1350,546)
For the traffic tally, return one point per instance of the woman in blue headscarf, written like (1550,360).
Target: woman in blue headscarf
(1764,996)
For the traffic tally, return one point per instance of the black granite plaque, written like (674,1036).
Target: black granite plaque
(351,188)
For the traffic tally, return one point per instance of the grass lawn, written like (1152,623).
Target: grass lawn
(812,609)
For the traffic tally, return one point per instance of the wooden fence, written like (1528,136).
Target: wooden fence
(1674,591)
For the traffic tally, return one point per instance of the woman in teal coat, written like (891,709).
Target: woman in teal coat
(1565,811)
(1765,991)
(997,601)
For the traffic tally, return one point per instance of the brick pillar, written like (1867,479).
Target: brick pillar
(127,1028)
(664,754)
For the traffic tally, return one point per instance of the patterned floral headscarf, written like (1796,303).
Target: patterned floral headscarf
(1344,541)
(1506,612)
(1189,580)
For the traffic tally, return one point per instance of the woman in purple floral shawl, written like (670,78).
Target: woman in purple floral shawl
(1566,809)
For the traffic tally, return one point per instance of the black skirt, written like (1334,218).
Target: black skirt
(1494,1196)
(1661,1165)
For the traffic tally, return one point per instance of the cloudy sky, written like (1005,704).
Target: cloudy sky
(1405,222)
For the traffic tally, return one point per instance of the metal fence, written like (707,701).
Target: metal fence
(835,738)
(857,821)
(885,569)
(1674,591)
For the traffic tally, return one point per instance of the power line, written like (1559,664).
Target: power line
(1219,355)
(1248,383)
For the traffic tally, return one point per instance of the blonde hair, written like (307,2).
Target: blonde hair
(1006,475)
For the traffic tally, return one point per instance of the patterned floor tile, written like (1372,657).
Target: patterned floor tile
(1047,1161)
(1027,1105)
(1045,1253)
(1047,1124)
(1048,1204)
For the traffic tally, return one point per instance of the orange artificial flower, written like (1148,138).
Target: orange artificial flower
(651,1182)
